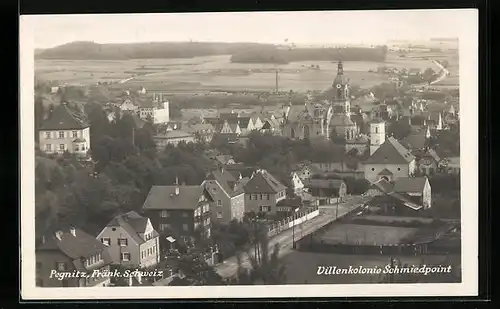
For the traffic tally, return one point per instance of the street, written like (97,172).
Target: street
(327,214)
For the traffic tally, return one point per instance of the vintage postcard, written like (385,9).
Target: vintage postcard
(249,155)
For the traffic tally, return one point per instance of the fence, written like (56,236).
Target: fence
(289,222)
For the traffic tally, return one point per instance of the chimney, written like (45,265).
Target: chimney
(59,235)
(177,186)
(72,230)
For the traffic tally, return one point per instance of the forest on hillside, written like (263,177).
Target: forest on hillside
(281,56)
(83,50)
(241,52)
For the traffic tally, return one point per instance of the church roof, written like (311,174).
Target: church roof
(340,78)
(341,120)
(391,152)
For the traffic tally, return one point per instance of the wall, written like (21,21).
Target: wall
(115,250)
(55,141)
(176,219)
(427,196)
(218,193)
(254,205)
(153,244)
(238,207)
(372,175)
(161,143)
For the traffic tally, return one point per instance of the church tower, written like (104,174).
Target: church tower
(377,135)
(341,97)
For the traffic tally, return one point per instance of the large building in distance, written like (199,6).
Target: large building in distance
(323,119)
(66,130)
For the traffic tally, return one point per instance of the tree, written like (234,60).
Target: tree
(196,271)
(399,129)
(429,75)
(39,115)
(265,268)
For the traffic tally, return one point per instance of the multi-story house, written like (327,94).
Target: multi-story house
(72,252)
(391,160)
(262,192)
(157,113)
(227,193)
(65,130)
(131,240)
(179,209)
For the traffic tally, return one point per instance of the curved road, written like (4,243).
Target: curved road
(442,76)
(229,267)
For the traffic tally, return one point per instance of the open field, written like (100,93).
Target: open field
(217,72)
(366,234)
(202,74)
(302,266)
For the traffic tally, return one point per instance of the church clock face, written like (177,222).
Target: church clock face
(338,86)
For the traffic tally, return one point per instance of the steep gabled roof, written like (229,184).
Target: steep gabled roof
(263,182)
(410,184)
(133,223)
(63,118)
(78,247)
(391,152)
(225,180)
(163,197)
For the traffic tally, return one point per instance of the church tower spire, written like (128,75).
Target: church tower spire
(341,96)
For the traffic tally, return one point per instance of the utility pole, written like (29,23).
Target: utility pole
(277,87)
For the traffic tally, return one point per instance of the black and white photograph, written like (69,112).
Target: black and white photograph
(249,154)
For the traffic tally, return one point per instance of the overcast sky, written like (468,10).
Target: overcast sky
(322,27)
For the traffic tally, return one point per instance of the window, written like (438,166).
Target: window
(219,215)
(376,130)
(48,147)
(99,257)
(61,266)
(106,241)
(75,134)
(83,147)
(185,214)
(265,208)
(62,147)
(77,148)
(253,197)
(123,242)
(219,203)
(185,227)
(261,197)
(373,169)
(164,214)
(267,197)
(399,169)
(61,134)
(125,256)
(142,254)
(47,135)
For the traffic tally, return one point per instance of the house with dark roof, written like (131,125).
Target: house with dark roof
(179,210)
(327,191)
(390,156)
(226,190)
(66,129)
(131,240)
(262,192)
(403,196)
(71,251)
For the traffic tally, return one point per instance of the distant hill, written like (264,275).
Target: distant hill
(84,50)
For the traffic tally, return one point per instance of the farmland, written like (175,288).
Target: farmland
(210,73)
